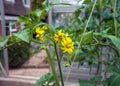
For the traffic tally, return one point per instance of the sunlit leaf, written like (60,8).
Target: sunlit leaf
(114,80)
(115,41)
(45,79)
(23,35)
(88,38)
(2,44)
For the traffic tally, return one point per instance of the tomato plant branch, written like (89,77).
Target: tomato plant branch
(58,60)
(52,68)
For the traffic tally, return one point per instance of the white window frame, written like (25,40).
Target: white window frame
(10,27)
(28,4)
(13,1)
(22,25)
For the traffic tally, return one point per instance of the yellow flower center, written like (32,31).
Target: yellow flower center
(59,36)
(65,41)
(68,45)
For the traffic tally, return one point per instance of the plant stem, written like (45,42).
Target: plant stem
(100,12)
(58,60)
(115,21)
(53,68)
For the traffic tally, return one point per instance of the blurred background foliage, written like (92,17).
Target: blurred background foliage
(37,4)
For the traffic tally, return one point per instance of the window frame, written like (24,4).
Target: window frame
(11,27)
(13,1)
(27,4)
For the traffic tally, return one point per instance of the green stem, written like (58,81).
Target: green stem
(100,11)
(53,68)
(115,21)
(6,46)
(58,60)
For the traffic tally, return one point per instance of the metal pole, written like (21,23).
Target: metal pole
(5,53)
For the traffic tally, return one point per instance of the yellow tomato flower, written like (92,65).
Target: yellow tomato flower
(59,36)
(40,33)
(68,45)
(40,37)
(44,28)
(37,29)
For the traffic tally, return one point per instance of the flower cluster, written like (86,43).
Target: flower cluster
(40,32)
(65,41)
(59,36)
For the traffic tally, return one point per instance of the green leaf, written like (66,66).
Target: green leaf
(37,13)
(67,64)
(97,21)
(87,1)
(47,78)
(81,56)
(115,41)
(92,82)
(23,35)
(77,15)
(2,44)
(24,19)
(44,4)
(114,80)
(88,38)
(87,83)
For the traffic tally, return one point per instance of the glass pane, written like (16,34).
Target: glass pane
(62,19)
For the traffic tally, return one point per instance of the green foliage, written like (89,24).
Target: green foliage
(114,80)
(88,55)
(37,4)
(91,82)
(18,50)
(2,44)
(23,35)
(87,83)
(37,16)
(18,54)
(88,38)
(46,80)
(115,40)
(103,31)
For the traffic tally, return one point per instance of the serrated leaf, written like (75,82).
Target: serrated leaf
(114,80)
(2,44)
(88,38)
(23,35)
(45,78)
(115,41)
(36,13)
(44,4)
